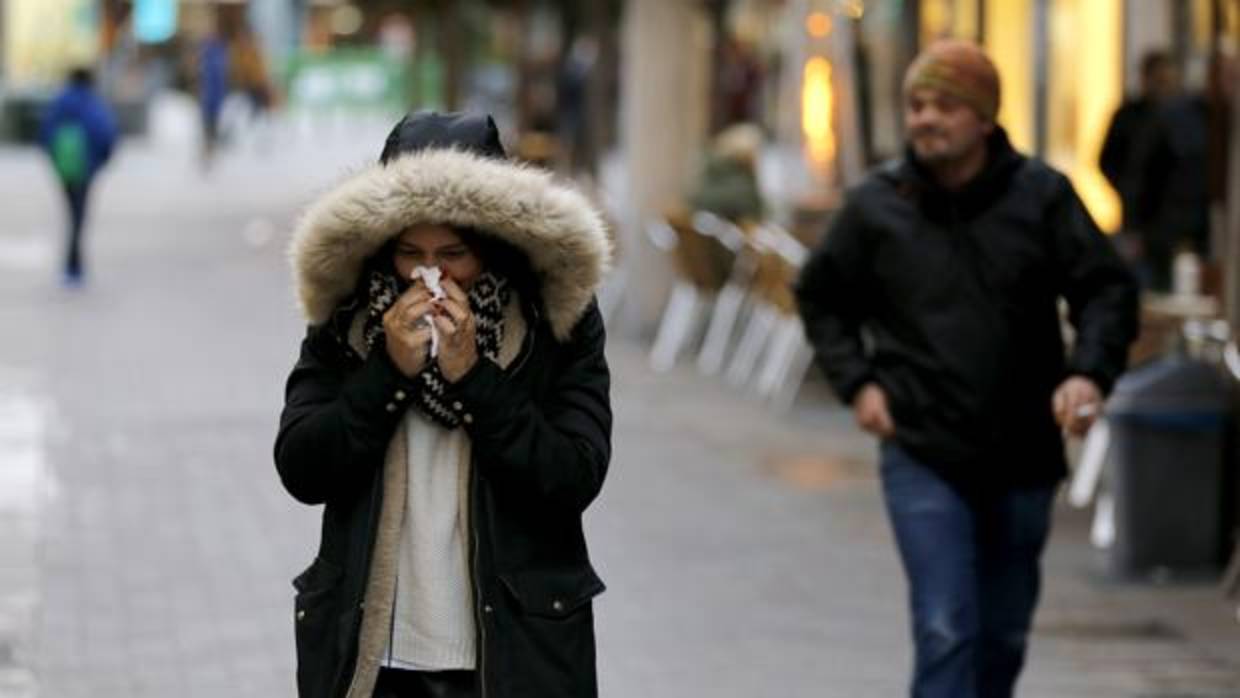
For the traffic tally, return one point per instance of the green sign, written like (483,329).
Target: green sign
(353,79)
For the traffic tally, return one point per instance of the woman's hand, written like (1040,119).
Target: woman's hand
(407,335)
(458,351)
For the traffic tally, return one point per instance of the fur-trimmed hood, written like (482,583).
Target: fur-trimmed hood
(557,228)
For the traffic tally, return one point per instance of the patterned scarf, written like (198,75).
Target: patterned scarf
(487,299)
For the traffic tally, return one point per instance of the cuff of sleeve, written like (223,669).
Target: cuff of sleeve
(379,390)
(1102,379)
(847,389)
(478,394)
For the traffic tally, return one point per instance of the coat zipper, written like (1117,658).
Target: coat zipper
(479,602)
(474,497)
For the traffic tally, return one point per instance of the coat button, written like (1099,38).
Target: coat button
(558,605)
(487,609)
(468,419)
(301,614)
(458,406)
(400,395)
(391,407)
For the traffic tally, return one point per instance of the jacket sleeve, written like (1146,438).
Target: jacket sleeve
(833,303)
(336,425)
(1101,292)
(104,132)
(1113,160)
(557,449)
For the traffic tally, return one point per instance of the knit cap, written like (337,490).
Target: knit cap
(961,69)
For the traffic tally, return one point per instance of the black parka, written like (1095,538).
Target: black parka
(949,301)
(539,429)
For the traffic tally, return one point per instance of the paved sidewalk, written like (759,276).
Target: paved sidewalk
(150,551)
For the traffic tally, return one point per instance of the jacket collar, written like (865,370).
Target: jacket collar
(1002,162)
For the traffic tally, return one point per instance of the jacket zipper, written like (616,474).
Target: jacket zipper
(479,602)
(474,497)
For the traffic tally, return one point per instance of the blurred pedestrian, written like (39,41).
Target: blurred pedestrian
(728,183)
(932,307)
(250,78)
(738,83)
(1173,188)
(1155,156)
(1128,136)
(78,132)
(213,88)
(455,438)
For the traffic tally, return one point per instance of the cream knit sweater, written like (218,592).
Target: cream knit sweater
(433,621)
(433,624)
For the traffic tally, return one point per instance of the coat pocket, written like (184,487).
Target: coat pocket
(316,612)
(555,592)
(549,645)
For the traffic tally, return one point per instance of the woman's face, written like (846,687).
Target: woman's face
(431,245)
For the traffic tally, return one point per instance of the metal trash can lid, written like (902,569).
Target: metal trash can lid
(1171,384)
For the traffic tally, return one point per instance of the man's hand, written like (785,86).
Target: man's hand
(1077,403)
(458,351)
(870,410)
(407,337)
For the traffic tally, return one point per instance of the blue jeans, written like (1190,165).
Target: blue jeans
(972,564)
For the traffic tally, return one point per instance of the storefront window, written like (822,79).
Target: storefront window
(1084,87)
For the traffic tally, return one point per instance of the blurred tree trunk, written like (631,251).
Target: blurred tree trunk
(717,10)
(601,107)
(450,40)
(1230,254)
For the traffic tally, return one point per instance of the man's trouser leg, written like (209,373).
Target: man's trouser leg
(1012,532)
(934,531)
(75,197)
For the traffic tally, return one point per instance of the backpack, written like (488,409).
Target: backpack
(70,150)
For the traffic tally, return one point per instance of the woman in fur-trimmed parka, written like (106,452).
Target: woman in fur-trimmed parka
(450,409)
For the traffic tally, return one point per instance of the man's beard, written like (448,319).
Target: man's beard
(942,151)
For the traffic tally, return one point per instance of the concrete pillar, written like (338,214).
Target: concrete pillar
(664,88)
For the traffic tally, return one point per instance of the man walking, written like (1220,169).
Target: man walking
(933,308)
(1156,157)
(78,133)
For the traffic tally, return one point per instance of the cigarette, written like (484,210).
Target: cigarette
(1086,410)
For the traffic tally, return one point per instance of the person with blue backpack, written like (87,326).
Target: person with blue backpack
(78,133)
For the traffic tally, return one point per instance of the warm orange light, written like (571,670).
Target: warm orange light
(1010,45)
(817,122)
(1084,88)
(818,24)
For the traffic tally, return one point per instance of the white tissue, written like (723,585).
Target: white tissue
(430,276)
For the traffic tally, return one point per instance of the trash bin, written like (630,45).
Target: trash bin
(1167,471)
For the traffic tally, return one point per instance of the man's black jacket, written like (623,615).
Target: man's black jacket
(949,301)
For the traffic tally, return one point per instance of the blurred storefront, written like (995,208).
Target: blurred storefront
(1067,64)
(824,82)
